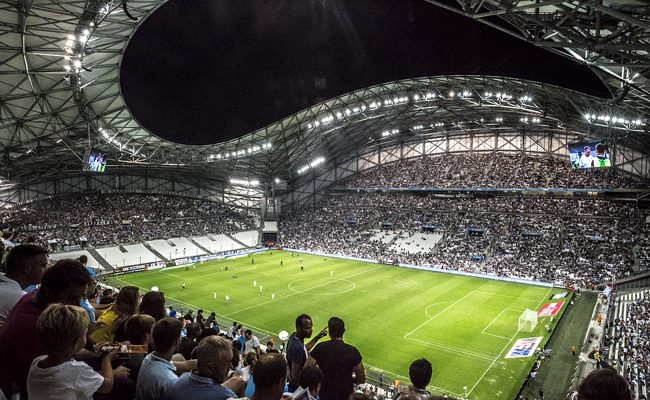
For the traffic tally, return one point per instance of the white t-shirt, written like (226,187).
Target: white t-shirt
(72,380)
(585,161)
(251,344)
(10,293)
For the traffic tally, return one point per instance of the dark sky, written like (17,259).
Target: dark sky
(205,71)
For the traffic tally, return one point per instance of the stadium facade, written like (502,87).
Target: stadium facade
(60,97)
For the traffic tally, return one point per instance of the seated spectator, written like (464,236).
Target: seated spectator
(157,373)
(311,379)
(62,330)
(138,330)
(270,375)
(107,297)
(24,266)
(66,283)
(420,374)
(604,384)
(214,354)
(153,303)
(110,322)
(189,342)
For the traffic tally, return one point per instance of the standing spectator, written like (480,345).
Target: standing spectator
(420,374)
(24,266)
(213,354)
(251,343)
(66,283)
(189,316)
(200,319)
(157,373)
(231,331)
(338,361)
(172,313)
(297,350)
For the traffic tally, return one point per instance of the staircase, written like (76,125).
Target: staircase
(195,243)
(154,251)
(231,237)
(100,260)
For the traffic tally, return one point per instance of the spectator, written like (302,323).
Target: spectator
(297,350)
(138,330)
(172,313)
(420,374)
(153,303)
(157,373)
(62,330)
(338,361)
(270,375)
(66,283)
(189,342)
(24,266)
(311,379)
(230,334)
(212,320)
(214,354)
(109,326)
(107,297)
(200,319)
(604,384)
(189,316)
(251,343)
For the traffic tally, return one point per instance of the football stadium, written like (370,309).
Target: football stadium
(369,200)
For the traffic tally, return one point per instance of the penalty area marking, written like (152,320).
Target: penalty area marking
(327,283)
(426,310)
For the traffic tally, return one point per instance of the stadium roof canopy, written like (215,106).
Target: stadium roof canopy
(60,96)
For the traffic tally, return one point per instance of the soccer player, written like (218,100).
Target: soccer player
(227,299)
(302,267)
(273,296)
(215,295)
(331,273)
(587,160)
(183,285)
(261,288)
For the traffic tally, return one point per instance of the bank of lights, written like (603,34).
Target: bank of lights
(613,120)
(533,120)
(311,165)
(244,182)
(390,133)
(241,152)
(116,143)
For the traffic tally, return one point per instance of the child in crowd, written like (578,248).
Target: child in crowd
(56,375)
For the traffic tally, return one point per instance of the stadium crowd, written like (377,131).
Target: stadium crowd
(487,170)
(631,333)
(111,219)
(557,240)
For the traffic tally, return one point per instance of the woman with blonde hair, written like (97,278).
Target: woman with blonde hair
(110,322)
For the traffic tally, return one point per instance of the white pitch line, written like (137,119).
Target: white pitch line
(453,350)
(504,349)
(497,317)
(429,320)
(404,378)
(295,293)
(505,295)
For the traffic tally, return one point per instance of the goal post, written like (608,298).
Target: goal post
(528,321)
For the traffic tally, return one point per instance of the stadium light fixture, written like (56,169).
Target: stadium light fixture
(244,182)
(311,165)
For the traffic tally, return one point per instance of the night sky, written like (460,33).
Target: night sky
(206,71)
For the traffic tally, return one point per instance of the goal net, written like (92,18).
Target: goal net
(528,321)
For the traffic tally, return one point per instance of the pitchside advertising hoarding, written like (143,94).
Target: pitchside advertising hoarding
(524,347)
(138,268)
(550,309)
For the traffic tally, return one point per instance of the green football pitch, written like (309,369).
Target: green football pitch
(464,326)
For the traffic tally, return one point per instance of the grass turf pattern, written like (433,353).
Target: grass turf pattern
(464,326)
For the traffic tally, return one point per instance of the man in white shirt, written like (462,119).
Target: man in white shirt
(587,160)
(251,343)
(24,266)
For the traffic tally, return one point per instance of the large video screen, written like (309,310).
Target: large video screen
(592,154)
(96,161)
